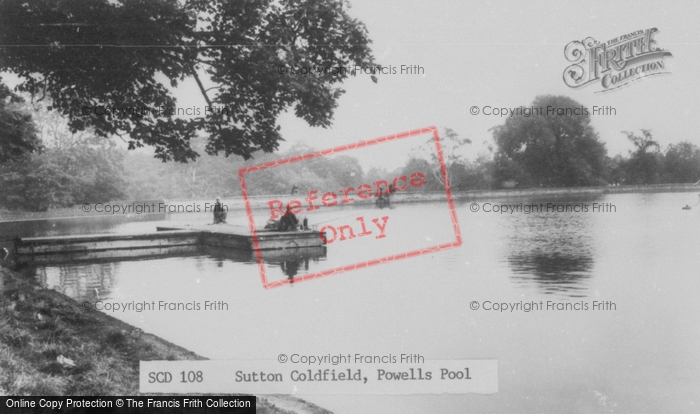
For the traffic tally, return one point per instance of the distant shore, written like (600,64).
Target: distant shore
(49,345)
(158,209)
(534,192)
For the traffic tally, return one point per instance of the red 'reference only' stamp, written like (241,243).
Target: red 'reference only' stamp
(360,228)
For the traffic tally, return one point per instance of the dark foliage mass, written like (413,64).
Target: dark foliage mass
(561,149)
(101,62)
(550,149)
(18,135)
(61,168)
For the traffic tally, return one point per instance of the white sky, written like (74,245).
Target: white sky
(504,54)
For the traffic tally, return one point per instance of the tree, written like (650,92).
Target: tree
(476,175)
(239,47)
(18,135)
(556,147)
(63,177)
(324,173)
(35,183)
(452,155)
(420,165)
(344,170)
(376,174)
(645,163)
(71,168)
(616,167)
(682,163)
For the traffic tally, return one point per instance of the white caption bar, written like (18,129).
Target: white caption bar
(452,376)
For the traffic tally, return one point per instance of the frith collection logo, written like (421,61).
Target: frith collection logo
(615,63)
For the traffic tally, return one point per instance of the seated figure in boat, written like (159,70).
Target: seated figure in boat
(383,199)
(687,207)
(288,222)
(219,211)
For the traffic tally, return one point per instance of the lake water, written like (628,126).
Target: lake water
(644,257)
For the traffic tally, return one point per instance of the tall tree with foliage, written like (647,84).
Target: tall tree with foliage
(344,170)
(682,163)
(645,165)
(18,135)
(555,148)
(453,156)
(418,164)
(99,60)
(69,169)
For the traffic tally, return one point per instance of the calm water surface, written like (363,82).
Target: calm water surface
(641,357)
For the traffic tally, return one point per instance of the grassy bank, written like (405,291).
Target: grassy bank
(40,330)
(49,345)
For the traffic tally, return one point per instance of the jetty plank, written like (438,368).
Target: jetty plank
(167,240)
(239,237)
(106,256)
(99,242)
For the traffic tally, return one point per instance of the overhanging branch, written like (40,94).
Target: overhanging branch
(201,86)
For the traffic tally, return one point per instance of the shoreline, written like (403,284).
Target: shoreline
(238,203)
(565,191)
(49,345)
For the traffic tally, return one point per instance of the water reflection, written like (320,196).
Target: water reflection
(71,225)
(553,251)
(291,268)
(91,276)
(87,277)
(298,263)
(85,282)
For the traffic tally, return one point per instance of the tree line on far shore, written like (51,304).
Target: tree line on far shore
(62,153)
(44,165)
(566,151)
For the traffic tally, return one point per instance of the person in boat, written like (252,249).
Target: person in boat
(288,222)
(383,199)
(219,211)
(687,207)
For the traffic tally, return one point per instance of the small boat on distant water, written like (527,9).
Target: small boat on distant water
(382,201)
(687,207)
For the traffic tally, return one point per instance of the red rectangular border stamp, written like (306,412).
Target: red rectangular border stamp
(362,264)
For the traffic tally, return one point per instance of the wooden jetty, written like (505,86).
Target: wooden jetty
(239,237)
(168,241)
(101,242)
(106,256)
(150,253)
